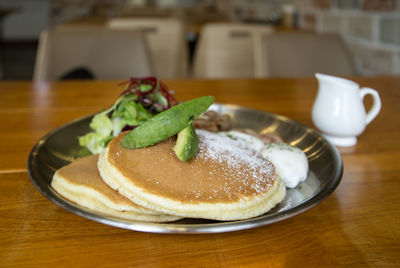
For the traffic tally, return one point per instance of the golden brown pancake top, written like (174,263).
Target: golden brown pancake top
(224,170)
(84,172)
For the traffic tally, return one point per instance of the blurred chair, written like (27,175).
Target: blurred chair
(106,53)
(301,54)
(227,50)
(166,38)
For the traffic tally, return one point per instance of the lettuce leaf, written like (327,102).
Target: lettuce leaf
(94,141)
(101,124)
(141,100)
(108,124)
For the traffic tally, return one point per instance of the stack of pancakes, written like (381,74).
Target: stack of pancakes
(226,180)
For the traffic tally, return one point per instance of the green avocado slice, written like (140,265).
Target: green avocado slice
(187,143)
(167,123)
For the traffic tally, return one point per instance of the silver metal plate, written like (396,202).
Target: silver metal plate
(60,147)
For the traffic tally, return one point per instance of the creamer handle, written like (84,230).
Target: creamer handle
(376,106)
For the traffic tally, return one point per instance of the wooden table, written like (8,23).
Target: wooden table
(356,225)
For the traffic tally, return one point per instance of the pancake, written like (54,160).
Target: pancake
(80,182)
(226,180)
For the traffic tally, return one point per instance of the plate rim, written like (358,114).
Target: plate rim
(214,227)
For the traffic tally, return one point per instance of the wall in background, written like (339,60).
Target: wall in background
(27,20)
(371,28)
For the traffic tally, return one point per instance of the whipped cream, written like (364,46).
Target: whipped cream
(290,162)
(251,141)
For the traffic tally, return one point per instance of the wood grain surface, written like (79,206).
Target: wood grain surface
(356,225)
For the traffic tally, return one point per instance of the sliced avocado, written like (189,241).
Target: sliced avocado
(187,143)
(167,123)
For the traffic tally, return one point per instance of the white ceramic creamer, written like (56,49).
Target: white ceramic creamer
(339,110)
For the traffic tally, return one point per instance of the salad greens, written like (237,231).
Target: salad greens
(141,100)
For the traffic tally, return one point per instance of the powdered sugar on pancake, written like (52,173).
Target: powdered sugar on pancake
(226,180)
(244,163)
